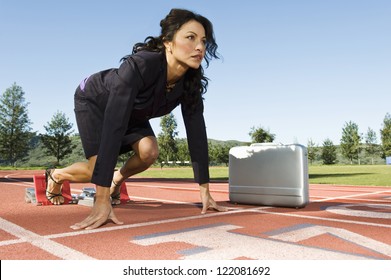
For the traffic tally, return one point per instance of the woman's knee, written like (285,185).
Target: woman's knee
(148,157)
(147,150)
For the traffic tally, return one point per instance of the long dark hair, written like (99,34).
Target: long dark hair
(195,82)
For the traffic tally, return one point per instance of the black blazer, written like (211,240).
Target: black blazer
(136,92)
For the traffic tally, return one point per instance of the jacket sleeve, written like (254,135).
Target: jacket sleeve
(197,142)
(124,85)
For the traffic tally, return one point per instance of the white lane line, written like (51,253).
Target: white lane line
(161,200)
(321,218)
(379,210)
(305,233)
(41,242)
(18,181)
(341,186)
(364,200)
(130,185)
(350,196)
(346,188)
(221,237)
(152,223)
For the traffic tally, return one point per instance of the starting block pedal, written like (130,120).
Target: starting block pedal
(87,196)
(29,196)
(40,192)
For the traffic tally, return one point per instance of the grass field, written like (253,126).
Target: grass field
(363,175)
(368,175)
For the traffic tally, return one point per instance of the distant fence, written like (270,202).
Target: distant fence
(175,163)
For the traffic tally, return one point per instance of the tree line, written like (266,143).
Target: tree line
(59,145)
(354,145)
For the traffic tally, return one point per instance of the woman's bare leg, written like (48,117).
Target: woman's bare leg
(145,154)
(80,172)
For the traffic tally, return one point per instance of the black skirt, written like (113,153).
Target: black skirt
(89,119)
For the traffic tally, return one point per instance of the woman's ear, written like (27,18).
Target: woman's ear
(168,46)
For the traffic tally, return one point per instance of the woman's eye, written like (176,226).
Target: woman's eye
(190,37)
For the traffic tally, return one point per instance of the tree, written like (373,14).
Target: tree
(371,146)
(329,152)
(312,150)
(57,139)
(385,133)
(260,135)
(183,150)
(166,139)
(350,141)
(219,153)
(14,125)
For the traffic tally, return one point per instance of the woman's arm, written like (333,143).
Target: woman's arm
(198,147)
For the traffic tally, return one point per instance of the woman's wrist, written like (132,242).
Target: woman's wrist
(102,193)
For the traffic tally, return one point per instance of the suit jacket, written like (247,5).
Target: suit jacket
(136,92)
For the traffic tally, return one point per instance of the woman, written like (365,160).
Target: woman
(113,109)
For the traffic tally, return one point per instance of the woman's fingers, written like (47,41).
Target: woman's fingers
(101,212)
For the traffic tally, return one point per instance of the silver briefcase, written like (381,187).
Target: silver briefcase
(269,174)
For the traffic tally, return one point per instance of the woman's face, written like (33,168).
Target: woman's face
(188,45)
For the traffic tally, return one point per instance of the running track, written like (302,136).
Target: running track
(163,222)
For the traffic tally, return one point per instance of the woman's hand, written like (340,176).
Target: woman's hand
(207,200)
(101,211)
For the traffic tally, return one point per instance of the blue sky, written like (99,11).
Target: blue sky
(301,69)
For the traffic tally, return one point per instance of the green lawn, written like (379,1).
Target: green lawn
(369,175)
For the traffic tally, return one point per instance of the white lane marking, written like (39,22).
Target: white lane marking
(41,242)
(18,181)
(346,210)
(153,223)
(327,187)
(302,234)
(173,188)
(350,196)
(162,200)
(223,244)
(321,218)
(351,199)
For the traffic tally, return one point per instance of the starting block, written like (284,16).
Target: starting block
(37,195)
(40,192)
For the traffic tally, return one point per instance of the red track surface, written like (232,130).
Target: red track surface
(163,222)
